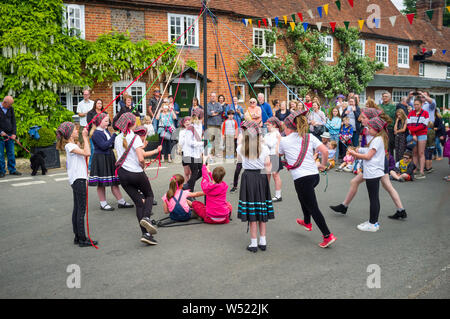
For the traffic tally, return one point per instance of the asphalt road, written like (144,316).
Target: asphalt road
(210,261)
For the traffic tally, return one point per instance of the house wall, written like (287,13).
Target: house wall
(435,71)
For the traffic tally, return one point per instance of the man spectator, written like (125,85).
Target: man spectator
(428,104)
(153,104)
(214,121)
(266,110)
(389,108)
(84,106)
(307,101)
(402,105)
(8,136)
(237,109)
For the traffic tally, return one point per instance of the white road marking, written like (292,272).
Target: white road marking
(153,168)
(58,174)
(61,179)
(29,183)
(15,179)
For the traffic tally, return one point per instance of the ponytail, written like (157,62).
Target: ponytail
(175,182)
(302,125)
(91,132)
(124,141)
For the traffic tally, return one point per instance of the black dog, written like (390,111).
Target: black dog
(37,161)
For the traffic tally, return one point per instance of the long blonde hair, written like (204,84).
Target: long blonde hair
(385,138)
(302,125)
(247,143)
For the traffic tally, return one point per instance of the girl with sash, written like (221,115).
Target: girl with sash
(193,148)
(298,147)
(130,146)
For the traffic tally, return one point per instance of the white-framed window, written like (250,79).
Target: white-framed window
(382,53)
(69,98)
(294,89)
(360,52)
(259,41)
(178,24)
(448,72)
(136,91)
(362,98)
(328,41)
(73,19)
(421,69)
(397,94)
(239,92)
(403,56)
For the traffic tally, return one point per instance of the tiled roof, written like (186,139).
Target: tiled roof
(384,80)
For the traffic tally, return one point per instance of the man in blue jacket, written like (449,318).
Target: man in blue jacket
(8,135)
(266,110)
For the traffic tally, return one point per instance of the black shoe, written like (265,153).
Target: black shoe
(16,173)
(76,241)
(147,224)
(155,203)
(234,189)
(339,209)
(262,247)
(107,208)
(252,249)
(87,243)
(126,205)
(148,239)
(399,215)
(277,199)
(2,175)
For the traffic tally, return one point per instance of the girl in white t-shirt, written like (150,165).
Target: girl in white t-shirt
(193,148)
(255,202)
(373,157)
(272,141)
(184,123)
(298,147)
(77,171)
(129,146)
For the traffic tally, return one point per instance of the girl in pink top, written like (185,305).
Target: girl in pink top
(217,209)
(175,201)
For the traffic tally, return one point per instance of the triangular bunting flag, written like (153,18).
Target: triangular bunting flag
(250,21)
(429,14)
(350,2)
(293,17)
(410,17)
(310,14)
(319,25)
(361,24)
(285,19)
(338,5)
(259,23)
(444,51)
(265,22)
(333,25)
(319,9)
(292,25)
(300,16)
(269,20)
(424,50)
(434,51)
(377,23)
(305,26)
(392,19)
(276,21)
(325,8)
(448,8)
(347,23)
(244,22)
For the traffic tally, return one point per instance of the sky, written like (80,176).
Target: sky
(398,4)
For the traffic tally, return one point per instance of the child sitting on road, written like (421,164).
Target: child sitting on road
(217,209)
(347,161)
(404,169)
(175,202)
(332,146)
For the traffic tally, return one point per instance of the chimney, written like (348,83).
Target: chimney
(438,7)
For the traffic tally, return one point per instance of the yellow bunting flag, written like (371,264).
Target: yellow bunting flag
(325,8)
(250,21)
(292,25)
(361,24)
(285,19)
(448,8)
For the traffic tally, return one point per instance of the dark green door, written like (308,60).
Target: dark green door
(185,94)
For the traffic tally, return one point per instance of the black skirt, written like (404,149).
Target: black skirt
(255,201)
(103,170)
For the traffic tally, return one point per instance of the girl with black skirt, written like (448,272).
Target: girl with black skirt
(103,164)
(255,201)
(193,148)
(298,147)
(130,146)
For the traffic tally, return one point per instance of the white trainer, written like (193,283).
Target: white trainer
(369,227)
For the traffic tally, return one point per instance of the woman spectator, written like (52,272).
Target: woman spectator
(254,112)
(97,109)
(293,106)
(221,100)
(439,128)
(276,105)
(317,120)
(418,126)
(334,126)
(128,107)
(353,112)
(400,134)
(283,112)
(166,118)
(195,105)
(122,103)
(237,109)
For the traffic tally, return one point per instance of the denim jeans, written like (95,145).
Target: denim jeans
(438,149)
(92,153)
(9,145)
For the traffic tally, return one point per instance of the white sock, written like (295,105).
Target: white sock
(254,242)
(262,240)
(121,201)
(278,193)
(103,203)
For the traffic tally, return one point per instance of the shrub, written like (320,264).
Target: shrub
(47,138)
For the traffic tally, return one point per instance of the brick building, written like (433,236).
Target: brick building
(398,47)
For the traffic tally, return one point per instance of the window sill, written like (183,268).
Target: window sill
(404,66)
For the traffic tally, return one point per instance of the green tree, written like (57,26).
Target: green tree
(410,7)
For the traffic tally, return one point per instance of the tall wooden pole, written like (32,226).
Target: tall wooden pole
(205,66)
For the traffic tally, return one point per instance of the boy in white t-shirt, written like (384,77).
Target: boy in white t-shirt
(229,134)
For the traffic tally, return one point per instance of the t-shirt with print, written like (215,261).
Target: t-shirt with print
(256,163)
(131,163)
(76,164)
(183,201)
(374,167)
(290,146)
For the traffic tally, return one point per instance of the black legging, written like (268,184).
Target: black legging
(373,187)
(79,208)
(166,147)
(307,197)
(138,187)
(237,171)
(195,165)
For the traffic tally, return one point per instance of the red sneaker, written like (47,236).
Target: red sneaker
(308,227)
(327,241)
